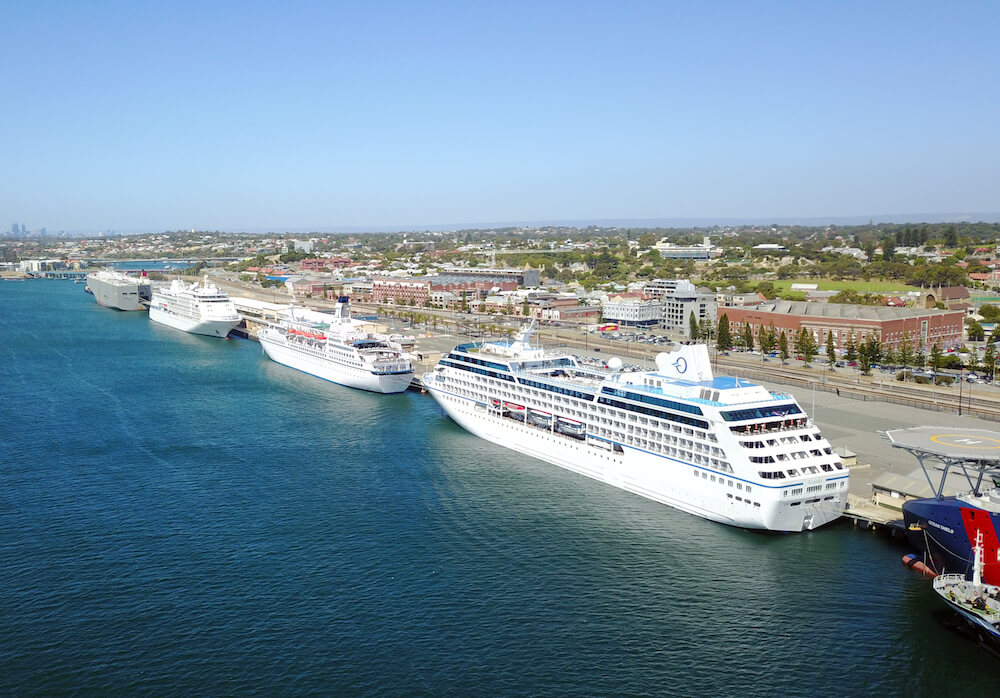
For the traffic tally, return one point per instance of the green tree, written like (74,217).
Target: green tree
(888,248)
(724,339)
(831,351)
(869,353)
(974,330)
(864,363)
(647,240)
(936,357)
(806,345)
(783,347)
(851,351)
(990,359)
(693,326)
(889,356)
(705,329)
(874,348)
(746,336)
(990,313)
(905,352)
(767,338)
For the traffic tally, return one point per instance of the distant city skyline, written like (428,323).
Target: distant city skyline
(148,117)
(665,223)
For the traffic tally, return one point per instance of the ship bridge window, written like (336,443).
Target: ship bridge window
(760,413)
(649,399)
(555,389)
(642,409)
(480,371)
(477,361)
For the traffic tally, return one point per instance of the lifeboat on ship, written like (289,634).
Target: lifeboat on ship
(515,411)
(570,427)
(542,419)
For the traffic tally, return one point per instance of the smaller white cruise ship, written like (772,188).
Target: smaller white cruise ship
(339,349)
(195,308)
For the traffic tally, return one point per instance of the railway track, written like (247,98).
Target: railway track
(982,403)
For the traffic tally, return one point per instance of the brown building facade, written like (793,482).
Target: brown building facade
(924,326)
(418,291)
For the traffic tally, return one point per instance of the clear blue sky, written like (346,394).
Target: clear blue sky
(274,116)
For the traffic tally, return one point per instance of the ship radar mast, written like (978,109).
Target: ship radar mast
(523,335)
(977,564)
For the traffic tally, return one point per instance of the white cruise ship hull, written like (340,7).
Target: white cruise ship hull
(329,369)
(675,483)
(211,328)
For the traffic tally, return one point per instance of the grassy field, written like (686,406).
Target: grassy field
(859,286)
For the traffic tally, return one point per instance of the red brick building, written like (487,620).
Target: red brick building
(923,326)
(418,291)
(325,263)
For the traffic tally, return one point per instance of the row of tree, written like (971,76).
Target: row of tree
(865,353)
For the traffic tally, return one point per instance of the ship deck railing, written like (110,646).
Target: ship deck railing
(740,429)
(954,586)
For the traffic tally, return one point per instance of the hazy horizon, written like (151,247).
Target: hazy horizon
(666,223)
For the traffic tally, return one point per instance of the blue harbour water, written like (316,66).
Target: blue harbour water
(179,515)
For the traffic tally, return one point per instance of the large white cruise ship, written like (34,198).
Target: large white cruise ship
(196,308)
(339,349)
(721,448)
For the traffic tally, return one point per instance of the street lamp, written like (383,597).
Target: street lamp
(961,379)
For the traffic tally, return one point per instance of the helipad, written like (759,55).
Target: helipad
(973,452)
(978,446)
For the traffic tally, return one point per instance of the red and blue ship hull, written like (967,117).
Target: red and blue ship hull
(945,530)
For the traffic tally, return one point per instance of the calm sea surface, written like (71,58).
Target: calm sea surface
(179,515)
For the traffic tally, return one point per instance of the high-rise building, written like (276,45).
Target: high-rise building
(680,299)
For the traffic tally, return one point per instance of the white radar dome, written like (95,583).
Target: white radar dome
(614,363)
